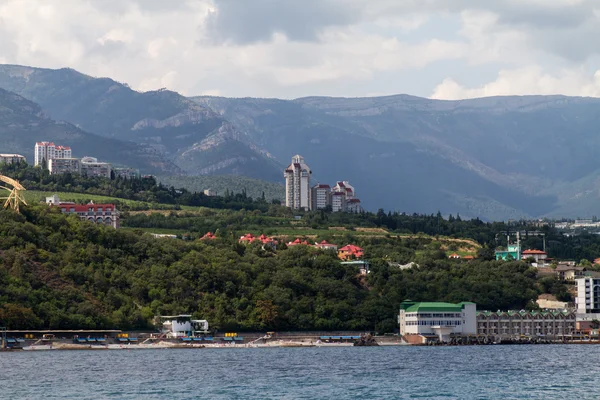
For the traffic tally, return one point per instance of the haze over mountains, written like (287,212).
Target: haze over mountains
(496,158)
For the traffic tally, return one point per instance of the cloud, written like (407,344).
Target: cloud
(293,48)
(524,81)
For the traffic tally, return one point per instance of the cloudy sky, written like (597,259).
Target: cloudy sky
(445,49)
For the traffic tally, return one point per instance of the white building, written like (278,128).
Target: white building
(337,201)
(48,151)
(11,158)
(90,167)
(437,319)
(178,326)
(62,165)
(320,196)
(297,184)
(210,192)
(588,296)
(345,187)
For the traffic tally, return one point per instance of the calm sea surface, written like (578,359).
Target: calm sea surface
(475,372)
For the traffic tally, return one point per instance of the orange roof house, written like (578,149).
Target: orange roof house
(350,252)
(208,236)
(247,238)
(297,242)
(454,255)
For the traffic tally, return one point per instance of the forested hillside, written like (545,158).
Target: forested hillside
(60,272)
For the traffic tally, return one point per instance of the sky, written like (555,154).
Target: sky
(443,49)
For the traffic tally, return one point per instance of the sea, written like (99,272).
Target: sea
(399,372)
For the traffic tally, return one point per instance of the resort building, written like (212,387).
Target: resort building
(346,188)
(11,158)
(353,206)
(91,167)
(514,324)
(350,252)
(420,322)
(63,165)
(48,151)
(319,196)
(105,214)
(297,184)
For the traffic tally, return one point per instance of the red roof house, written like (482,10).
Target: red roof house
(350,252)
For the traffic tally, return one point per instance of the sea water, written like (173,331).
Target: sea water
(403,372)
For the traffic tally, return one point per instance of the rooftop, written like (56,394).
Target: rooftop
(410,306)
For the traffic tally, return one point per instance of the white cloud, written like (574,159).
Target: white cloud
(525,81)
(297,48)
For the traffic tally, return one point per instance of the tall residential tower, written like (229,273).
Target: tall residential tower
(297,184)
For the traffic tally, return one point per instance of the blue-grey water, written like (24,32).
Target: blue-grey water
(470,372)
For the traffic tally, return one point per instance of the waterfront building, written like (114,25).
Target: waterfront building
(551,324)
(180,326)
(350,252)
(422,321)
(588,295)
(320,196)
(48,151)
(63,165)
(11,158)
(297,184)
(91,167)
(105,214)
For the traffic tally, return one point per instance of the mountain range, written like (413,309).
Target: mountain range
(495,158)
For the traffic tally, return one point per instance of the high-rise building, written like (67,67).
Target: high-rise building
(297,184)
(48,151)
(320,196)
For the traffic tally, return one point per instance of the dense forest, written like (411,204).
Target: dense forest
(59,272)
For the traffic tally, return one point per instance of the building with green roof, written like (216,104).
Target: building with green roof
(437,319)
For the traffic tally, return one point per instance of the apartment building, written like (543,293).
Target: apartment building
(550,324)
(91,167)
(48,151)
(12,158)
(320,196)
(437,319)
(62,165)
(588,295)
(297,184)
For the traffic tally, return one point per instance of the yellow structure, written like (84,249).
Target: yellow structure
(15,197)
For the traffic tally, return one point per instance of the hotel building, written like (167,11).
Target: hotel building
(297,184)
(436,320)
(105,214)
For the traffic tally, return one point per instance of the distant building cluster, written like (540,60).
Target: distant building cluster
(299,195)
